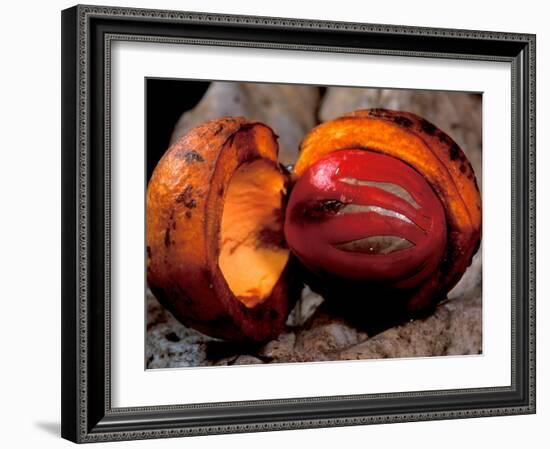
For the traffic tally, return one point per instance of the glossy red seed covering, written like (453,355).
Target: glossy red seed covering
(363,215)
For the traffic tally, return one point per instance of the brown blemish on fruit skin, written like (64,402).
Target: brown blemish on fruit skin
(400,120)
(380,113)
(186,197)
(218,129)
(444,138)
(190,156)
(148,252)
(188,214)
(167,237)
(403,121)
(427,127)
(454,152)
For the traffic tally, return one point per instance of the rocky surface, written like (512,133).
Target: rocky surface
(290,110)
(312,334)
(169,344)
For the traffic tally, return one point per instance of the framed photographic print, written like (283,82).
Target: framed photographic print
(283,223)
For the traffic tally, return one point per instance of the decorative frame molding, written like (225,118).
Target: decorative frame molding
(87,34)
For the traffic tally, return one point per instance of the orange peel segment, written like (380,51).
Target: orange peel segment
(216,256)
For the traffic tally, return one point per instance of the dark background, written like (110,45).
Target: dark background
(166,100)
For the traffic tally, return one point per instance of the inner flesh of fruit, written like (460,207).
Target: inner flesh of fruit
(253,254)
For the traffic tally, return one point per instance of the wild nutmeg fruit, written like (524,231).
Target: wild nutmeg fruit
(216,255)
(385,207)
(366,216)
(384,215)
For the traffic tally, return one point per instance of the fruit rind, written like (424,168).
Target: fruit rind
(433,154)
(185,199)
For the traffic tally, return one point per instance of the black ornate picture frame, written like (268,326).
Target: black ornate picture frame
(87,34)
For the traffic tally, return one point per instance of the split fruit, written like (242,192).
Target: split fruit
(365,216)
(383,209)
(216,254)
(383,203)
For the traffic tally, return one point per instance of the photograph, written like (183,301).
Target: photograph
(292,223)
(283,223)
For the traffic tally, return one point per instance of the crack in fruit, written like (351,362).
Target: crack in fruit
(376,244)
(389,187)
(351,208)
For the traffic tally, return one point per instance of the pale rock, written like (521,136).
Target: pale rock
(454,329)
(305,308)
(290,110)
(169,344)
